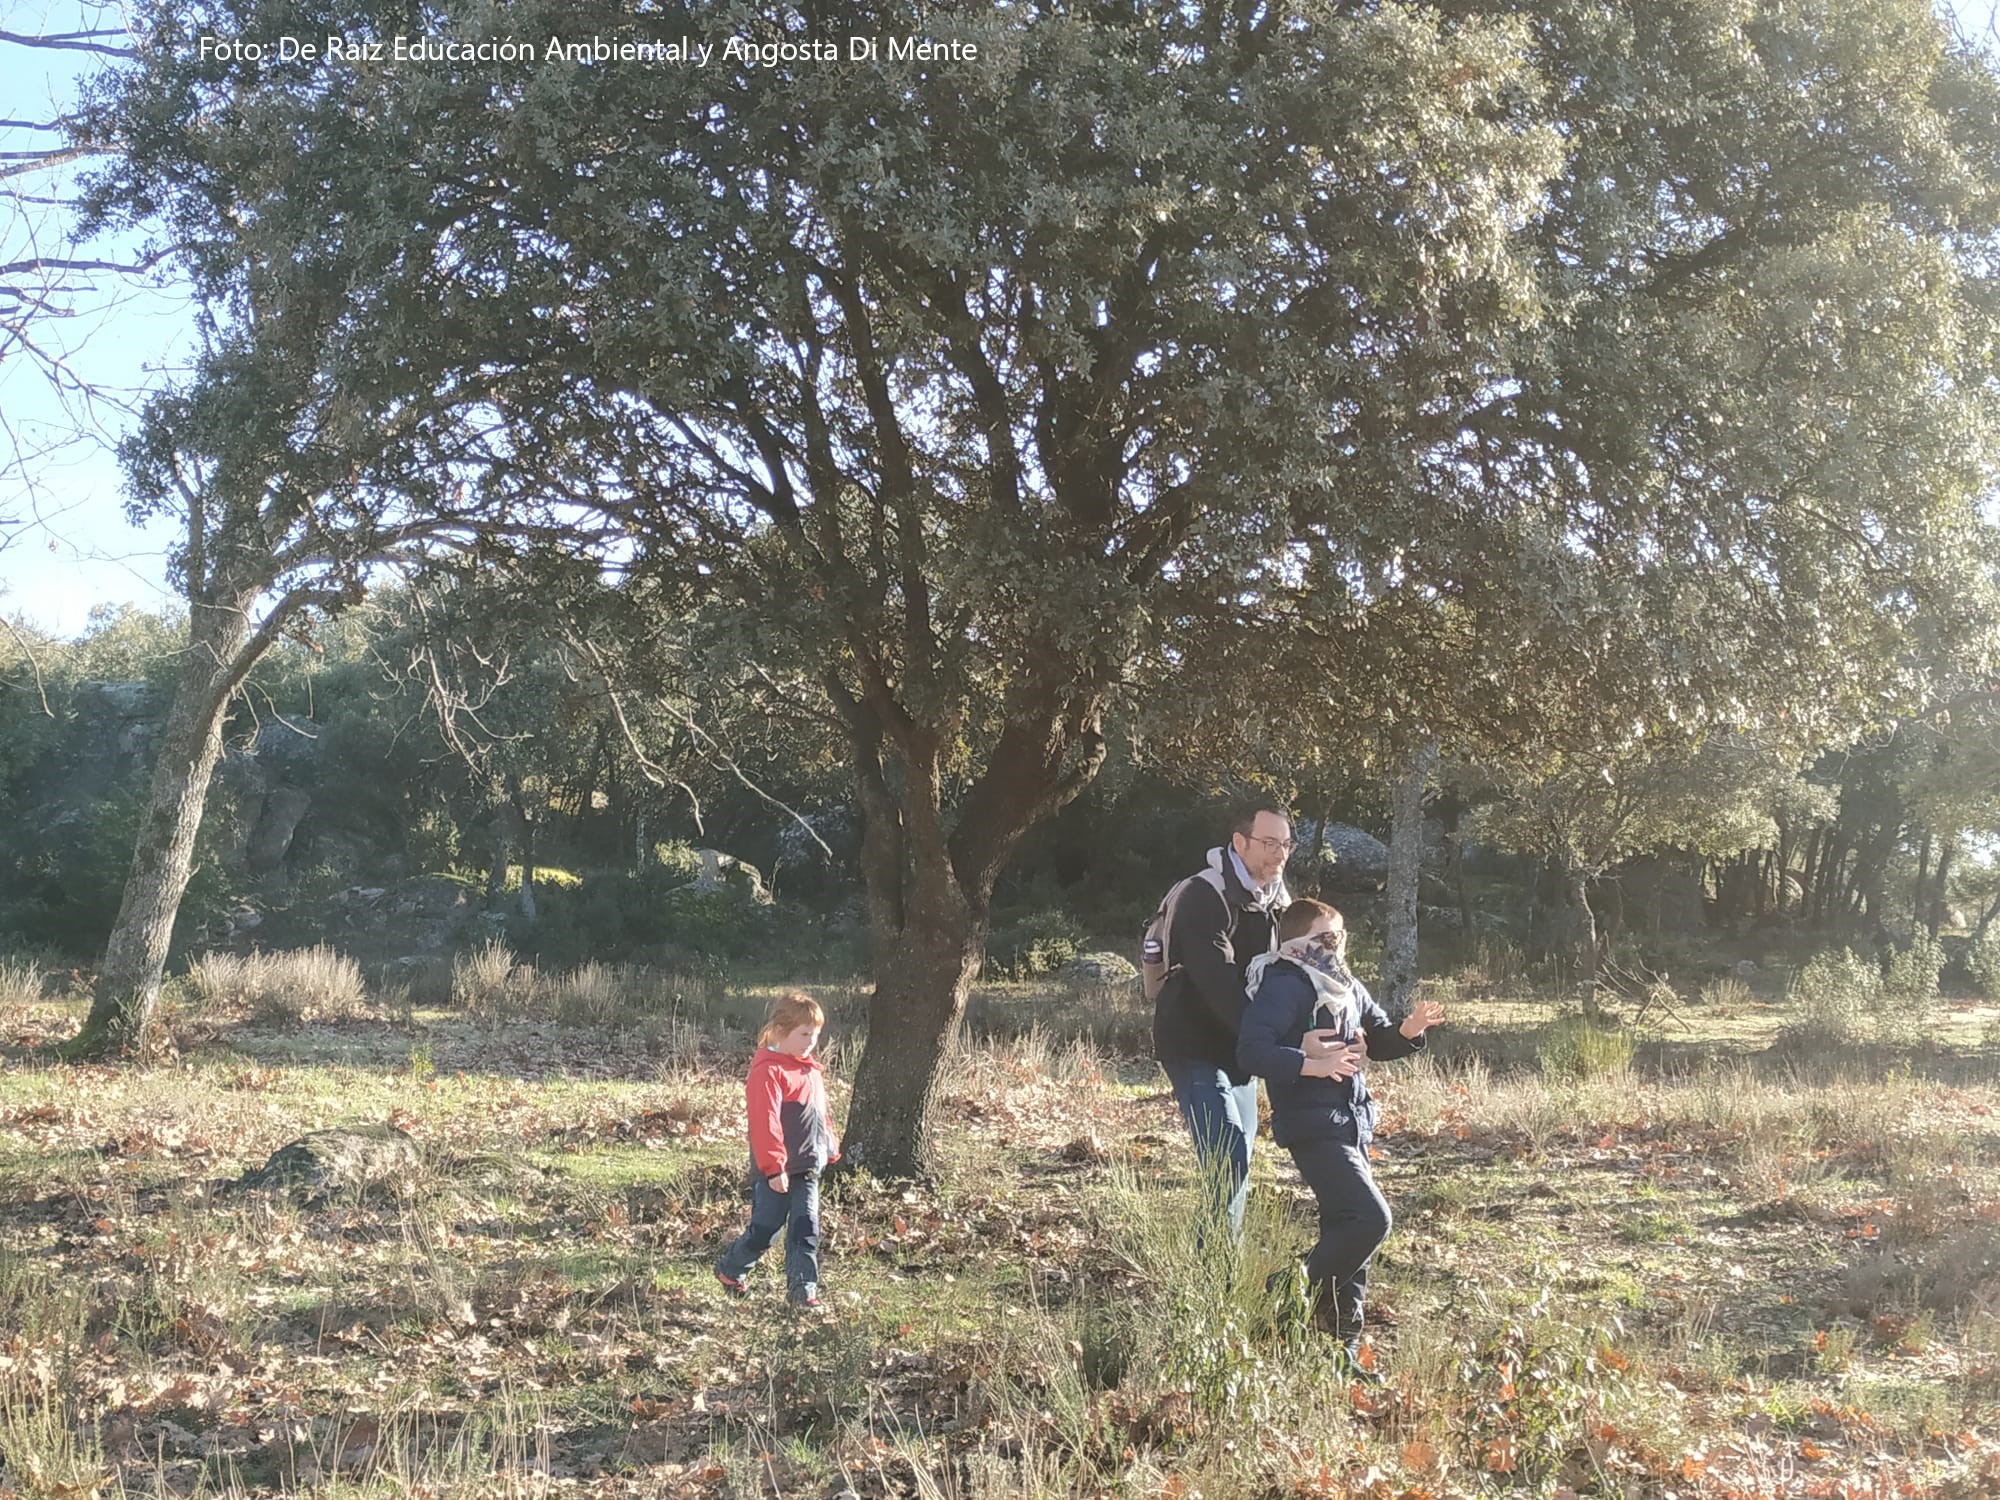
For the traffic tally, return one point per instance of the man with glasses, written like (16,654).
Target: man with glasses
(1224,916)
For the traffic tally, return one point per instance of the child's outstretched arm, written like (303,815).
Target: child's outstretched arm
(1386,1039)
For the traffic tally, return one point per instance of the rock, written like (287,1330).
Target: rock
(119,720)
(287,742)
(1099,971)
(1745,967)
(326,1162)
(837,829)
(271,838)
(430,895)
(1355,859)
(725,872)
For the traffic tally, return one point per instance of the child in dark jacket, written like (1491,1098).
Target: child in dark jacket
(791,1142)
(1310,1027)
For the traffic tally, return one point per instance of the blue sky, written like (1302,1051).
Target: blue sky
(66,544)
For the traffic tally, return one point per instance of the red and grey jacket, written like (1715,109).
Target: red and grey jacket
(789,1127)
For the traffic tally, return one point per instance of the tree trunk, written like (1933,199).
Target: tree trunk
(929,891)
(1939,882)
(921,986)
(505,838)
(1583,937)
(1986,921)
(529,909)
(1920,897)
(1613,894)
(1406,847)
(1451,814)
(1871,873)
(127,993)
(1787,846)
(526,823)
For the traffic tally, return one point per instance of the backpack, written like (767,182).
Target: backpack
(1155,967)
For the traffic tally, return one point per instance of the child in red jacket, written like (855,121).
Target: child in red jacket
(791,1141)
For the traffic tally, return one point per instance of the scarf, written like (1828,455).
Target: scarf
(1333,986)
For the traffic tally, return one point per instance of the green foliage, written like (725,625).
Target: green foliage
(433,841)
(69,877)
(1214,1356)
(1984,962)
(723,924)
(1574,1046)
(675,863)
(1552,1373)
(1909,993)
(1039,942)
(1910,973)
(1832,992)
(655,916)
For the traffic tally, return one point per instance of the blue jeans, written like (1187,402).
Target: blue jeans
(771,1211)
(1222,1118)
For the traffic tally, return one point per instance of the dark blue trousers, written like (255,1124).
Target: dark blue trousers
(1354,1219)
(796,1211)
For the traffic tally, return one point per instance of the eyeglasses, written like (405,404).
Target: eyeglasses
(1283,846)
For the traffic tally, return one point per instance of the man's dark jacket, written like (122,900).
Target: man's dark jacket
(1212,938)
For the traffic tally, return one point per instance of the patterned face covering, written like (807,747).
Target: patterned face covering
(1321,952)
(1320,956)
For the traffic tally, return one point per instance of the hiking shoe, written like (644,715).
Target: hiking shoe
(1347,1361)
(736,1286)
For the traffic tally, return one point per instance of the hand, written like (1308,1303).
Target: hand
(1344,1063)
(782,1183)
(1423,1015)
(1322,1043)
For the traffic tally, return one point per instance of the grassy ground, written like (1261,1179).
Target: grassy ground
(1744,1263)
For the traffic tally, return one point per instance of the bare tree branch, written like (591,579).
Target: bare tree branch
(72,41)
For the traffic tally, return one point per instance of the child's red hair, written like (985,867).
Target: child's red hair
(791,1010)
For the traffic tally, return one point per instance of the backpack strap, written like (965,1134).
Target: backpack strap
(1168,907)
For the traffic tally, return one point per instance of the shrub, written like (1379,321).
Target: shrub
(433,840)
(1910,976)
(282,988)
(1037,943)
(1984,962)
(674,864)
(1910,987)
(725,924)
(20,982)
(68,874)
(1574,1046)
(1726,996)
(655,916)
(1833,991)
(484,982)
(547,878)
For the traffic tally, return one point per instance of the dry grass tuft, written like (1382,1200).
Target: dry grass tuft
(280,989)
